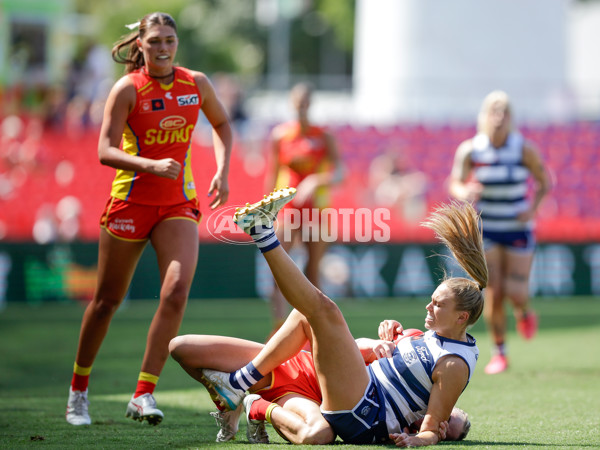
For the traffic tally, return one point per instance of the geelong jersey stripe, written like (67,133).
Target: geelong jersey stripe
(405,377)
(504,179)
(395,384)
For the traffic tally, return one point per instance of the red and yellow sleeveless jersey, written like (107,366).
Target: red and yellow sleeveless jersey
(302,154)
(160,126)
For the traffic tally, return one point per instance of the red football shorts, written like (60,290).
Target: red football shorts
(135,222)
(295,376)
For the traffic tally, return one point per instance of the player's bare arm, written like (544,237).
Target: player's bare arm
(460,187)
(449,377)
(215,112)
(533,161)
(119,104)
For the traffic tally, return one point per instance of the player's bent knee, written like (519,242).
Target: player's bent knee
(321,434)
(174,345)
(329,309)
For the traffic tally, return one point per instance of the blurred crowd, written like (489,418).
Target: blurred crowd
(31,109)
(24,158)
(402,168)
(70,105)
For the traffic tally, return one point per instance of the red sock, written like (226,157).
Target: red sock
(81,377)
(146,384)
(80,382)
(258,410)
(144,387)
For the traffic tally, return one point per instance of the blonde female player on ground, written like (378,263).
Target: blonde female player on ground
(293,384)
(493,169)
(152,110)
(423,378)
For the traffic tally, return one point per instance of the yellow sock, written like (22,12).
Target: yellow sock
(270,408)
(78,370)
(145,376)
(81,376)
(146,384)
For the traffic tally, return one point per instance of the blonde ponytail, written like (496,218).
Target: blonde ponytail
(458,226)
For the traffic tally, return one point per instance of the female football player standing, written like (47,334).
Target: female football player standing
(152,110)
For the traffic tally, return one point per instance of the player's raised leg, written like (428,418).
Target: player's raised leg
(338,361)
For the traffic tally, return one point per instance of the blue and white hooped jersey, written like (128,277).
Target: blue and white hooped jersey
(405,381)
(504,179)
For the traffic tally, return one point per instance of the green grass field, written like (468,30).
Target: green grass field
(549,398)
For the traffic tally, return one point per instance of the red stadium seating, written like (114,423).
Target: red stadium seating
(571,213)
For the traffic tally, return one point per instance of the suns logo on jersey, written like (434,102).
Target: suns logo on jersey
(172,123)
(172,129)
(187,100)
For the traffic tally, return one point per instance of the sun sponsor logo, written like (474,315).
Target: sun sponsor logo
(328,224)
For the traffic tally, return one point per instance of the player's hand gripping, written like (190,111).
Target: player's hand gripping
(383,349)
(389,330)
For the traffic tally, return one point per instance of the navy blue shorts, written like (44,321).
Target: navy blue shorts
(523,241)
(365,423)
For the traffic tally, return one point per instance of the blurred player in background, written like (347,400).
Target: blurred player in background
(152,110)
(304,156)
(493,170)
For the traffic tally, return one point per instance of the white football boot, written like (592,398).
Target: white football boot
(228,422)
(77,408)
(144,408)
(255,431)
(220,389)
(262,214)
